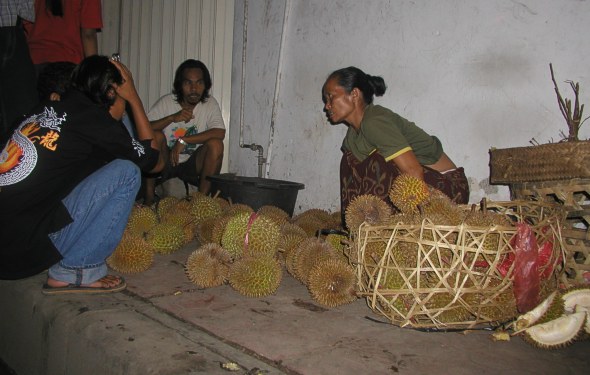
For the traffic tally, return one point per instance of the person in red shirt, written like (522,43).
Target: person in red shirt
(63,31)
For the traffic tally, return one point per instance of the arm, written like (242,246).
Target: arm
(199,138)
(407,163)
(144,131)
(203,137)
(185,114)
(89,41)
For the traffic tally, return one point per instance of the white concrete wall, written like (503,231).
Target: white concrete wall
(473,72)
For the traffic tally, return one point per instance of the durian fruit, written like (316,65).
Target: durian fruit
(204,230)
(289,241)
(290,228)
(391,279)
(496,307)
(408,192)
(182,205)
(486,220)
(551,308)
(234,233)
(195,194)
(373,252)
(405,254)
(256,276)
(332,283)
(182,219)
(288,244)
(315,219)
(235,208)
(291,254)
(366,208)
(204,207)
(338,242)
(557,333)
(166,238)
(132,255)
(275,213)
(440,206)
(218,228)
(310,252)
(208,266)
(166,204)
(310,224)
(250,234)
(318,213)
(223,203)
(443,309)
(396,306)
(141,220)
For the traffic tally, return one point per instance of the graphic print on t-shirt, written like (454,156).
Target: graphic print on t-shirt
(19,156)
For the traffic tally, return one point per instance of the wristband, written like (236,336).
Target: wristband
(182,141)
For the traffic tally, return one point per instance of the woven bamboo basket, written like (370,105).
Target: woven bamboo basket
(430,276)
(574,196)
(551,161)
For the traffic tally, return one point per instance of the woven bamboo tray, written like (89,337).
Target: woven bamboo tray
(574,196)
(429,276)
(551,161)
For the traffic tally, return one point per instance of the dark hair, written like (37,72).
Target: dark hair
(55,7)
(352,77)
(55,77)
(94,77)
(179,77)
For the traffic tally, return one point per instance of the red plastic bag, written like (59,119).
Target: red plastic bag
(526,269)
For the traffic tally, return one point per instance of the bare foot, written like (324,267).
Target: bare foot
(108,281)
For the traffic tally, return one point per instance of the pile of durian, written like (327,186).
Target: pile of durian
(249,250)
(560,320)
(412,202)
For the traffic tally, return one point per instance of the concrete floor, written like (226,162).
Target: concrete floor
(164,324)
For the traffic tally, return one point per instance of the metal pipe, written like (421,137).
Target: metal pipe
(243,83)
(253,146)
(277,87)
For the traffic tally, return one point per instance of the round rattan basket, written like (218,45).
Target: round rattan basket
(432,276)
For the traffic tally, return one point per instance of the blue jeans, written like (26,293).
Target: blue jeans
(100,207)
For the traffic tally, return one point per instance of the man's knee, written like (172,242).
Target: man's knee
(215,147)
(129,170)
(159,137)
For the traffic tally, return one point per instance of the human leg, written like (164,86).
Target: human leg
(100,207)
(205,161)
(149,180)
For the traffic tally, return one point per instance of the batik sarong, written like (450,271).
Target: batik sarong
(374,176)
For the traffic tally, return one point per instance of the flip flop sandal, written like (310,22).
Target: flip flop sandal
(81,289)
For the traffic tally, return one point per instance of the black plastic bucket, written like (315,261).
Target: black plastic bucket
(256,191)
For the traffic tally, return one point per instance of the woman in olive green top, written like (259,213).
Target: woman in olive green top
(380,144)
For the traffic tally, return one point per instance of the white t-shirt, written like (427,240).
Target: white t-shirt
(206,116)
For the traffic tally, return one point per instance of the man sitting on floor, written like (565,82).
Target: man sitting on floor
(188,117)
